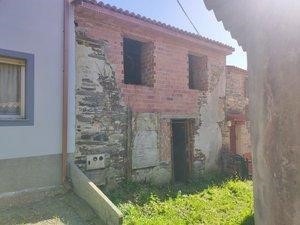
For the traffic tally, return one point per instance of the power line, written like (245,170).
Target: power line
(191,22)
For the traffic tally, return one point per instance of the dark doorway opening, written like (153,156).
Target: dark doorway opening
(181,150)
(198,77)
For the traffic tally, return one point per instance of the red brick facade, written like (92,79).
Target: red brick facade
(166,65)
(137,119)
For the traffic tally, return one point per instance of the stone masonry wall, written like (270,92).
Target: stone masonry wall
(236,99)
(237,103)
(101,125)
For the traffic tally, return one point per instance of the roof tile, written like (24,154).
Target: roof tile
(158,23)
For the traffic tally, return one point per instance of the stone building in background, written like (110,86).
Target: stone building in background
(236,134)
(151,100)
(237,101)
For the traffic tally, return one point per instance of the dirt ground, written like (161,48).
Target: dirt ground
(63,209)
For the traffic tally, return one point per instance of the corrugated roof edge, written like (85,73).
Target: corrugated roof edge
(154,22)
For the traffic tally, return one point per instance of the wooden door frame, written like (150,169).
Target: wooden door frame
(189,128)
(233,137)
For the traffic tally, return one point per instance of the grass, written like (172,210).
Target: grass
(211,201)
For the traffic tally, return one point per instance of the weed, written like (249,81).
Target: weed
(209,201)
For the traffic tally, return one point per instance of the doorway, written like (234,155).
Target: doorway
(181,150)
(233,138)
(236,146)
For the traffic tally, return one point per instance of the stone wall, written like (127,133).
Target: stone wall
(237,108)
(101,117)
(236,90)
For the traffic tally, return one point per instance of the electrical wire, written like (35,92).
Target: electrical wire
(191,22)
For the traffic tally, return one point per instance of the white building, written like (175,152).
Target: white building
(32,137)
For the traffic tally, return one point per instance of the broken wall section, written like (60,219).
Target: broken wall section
(101,117)
(153,132)
(208,141)
(151,149)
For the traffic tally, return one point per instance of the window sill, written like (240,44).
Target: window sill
(138,86)
(16,122)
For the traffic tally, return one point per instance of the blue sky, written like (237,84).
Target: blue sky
(168,11)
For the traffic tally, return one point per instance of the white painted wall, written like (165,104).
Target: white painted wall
(36,26)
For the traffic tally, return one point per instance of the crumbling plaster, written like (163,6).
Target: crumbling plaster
(208,137)
(101,123)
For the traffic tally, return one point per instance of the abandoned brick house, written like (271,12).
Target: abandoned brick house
(153,103)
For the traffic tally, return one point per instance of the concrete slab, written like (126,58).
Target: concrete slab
(88,191)
(61,209)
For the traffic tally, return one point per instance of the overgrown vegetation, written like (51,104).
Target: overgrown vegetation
(210,201)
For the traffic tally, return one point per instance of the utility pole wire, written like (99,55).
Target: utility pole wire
(187,16)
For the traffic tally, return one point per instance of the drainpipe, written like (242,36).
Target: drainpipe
(65,91)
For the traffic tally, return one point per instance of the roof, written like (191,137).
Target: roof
(247,19)
(236,69)
(234,16)
(154,22)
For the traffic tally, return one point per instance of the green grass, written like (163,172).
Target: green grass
(212,201)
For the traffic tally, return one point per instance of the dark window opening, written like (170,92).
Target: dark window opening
(198,76)
(132,61)
(138,62)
